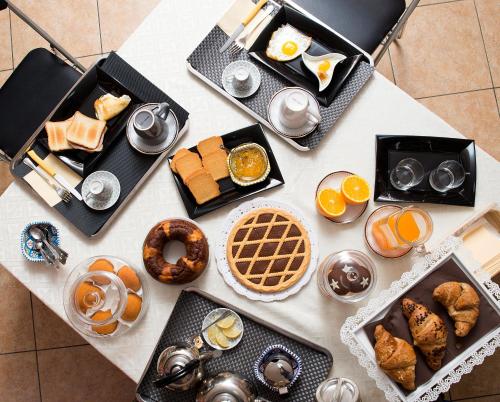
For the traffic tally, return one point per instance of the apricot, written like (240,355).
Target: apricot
(87,295)
(104,329)
(133,308)
(101,264)
(129,278)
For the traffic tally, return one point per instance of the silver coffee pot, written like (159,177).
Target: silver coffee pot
(181,366)
(228,387)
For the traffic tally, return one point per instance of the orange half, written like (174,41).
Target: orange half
(355,190)
(330,203)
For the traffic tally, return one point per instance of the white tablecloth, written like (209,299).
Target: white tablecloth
(158,49)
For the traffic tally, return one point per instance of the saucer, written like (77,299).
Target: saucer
(254,79)
(111,181)
(274,112)
(147,147)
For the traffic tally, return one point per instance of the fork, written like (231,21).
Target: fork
(64,194)
(239,44)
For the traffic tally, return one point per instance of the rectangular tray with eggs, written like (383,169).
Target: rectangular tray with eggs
(207,63)
(462,354)
(186,320)
(324,41)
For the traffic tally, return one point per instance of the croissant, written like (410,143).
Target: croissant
(462,303)
(428,331)
(396,357)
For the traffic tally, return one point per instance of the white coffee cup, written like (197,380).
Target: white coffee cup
(97,189)
(240,79)
(295,111)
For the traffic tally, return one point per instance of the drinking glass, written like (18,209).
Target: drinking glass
(407,174)
(413,227)
(448,175)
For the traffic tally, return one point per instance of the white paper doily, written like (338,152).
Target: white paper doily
(442,382)
(221,246)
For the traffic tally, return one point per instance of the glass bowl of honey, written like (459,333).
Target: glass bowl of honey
(248,164)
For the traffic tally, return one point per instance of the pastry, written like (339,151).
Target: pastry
(85,132)
(351,277)
(203,186)
(187,164)
(108,106)
(462,303)
(216,163)
(268,250)
(188,267)
(56,134)
(396,357)
(209,145)
(181,152)
(87,296)
(428,331)
(106,329)
(101,264)
(133,307)
(129,278)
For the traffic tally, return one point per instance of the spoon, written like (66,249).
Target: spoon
(63,254)
(48,259)
(39,236)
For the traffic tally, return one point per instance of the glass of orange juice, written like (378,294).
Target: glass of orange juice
(405,228)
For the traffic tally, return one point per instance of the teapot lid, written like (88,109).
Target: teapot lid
(226,387)
(173,359)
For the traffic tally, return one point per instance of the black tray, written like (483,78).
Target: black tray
(230,191)
(186,320)
(129,166)
(323,41)
(94,84)
(430,151)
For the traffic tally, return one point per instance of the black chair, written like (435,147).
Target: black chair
(367,23)
(33,90)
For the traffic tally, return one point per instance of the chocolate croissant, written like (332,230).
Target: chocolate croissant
(428,331)
(396,357)
(462,303)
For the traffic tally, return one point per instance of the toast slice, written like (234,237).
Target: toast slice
(188,164)
(85,132)
(56,134)
(203,186)
(180,153)
(216,163)
(209,145)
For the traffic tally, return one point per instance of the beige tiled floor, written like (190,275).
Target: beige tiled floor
(449,59)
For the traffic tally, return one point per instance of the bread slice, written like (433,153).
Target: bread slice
(209,145)
(56,134)
(85,132)
(99,147)
(203,186)
(216,163)
(180,153)
(187,164)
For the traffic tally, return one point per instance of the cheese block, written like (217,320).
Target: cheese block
(56,134)
(209,145)
(203,186)
(85,132)
(108,106)
(216,163)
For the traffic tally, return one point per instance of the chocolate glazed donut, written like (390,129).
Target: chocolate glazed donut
(188,267)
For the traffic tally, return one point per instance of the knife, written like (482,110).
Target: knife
(241,27)
(57,177)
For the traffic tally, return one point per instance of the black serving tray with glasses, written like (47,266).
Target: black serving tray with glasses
(231,192)
(430,152)
(186,320)
(112,74)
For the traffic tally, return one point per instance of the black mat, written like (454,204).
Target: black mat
(186,320)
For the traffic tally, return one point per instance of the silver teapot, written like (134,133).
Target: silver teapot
(228,387)
(181,366)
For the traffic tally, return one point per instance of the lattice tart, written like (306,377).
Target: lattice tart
(268,250)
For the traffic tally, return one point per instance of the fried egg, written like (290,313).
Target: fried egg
(322,67)
(287,43)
